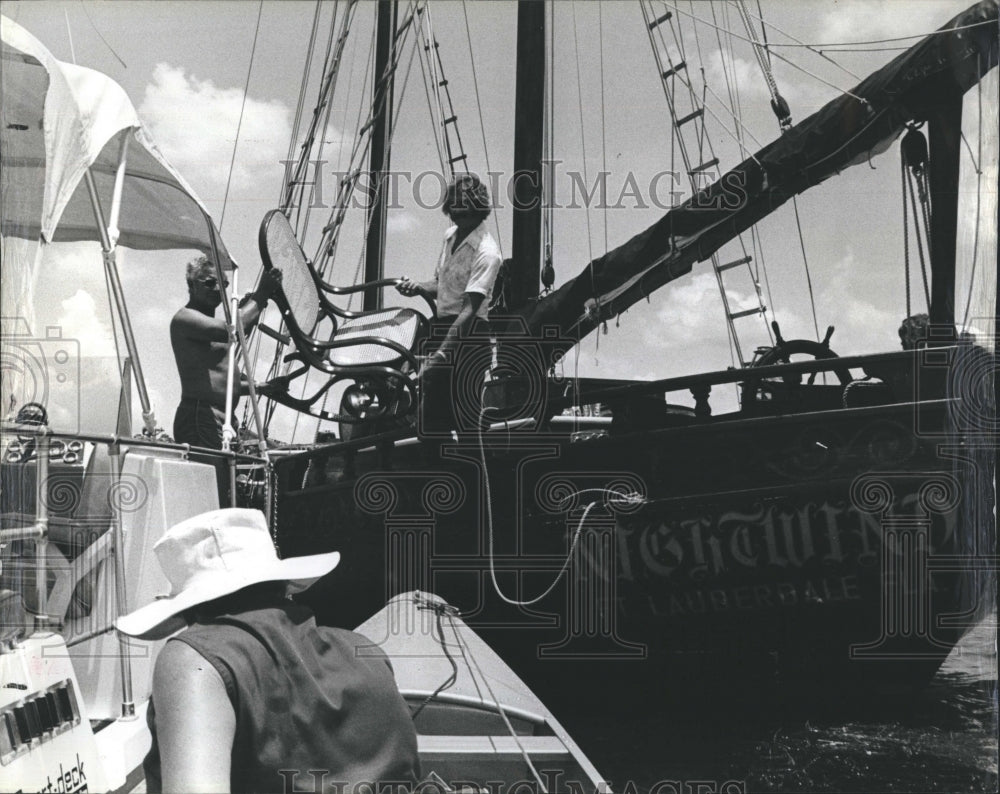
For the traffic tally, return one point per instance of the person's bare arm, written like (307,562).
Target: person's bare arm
(460,328)
(195,721)
(254,303)
(192,324)
(408,287)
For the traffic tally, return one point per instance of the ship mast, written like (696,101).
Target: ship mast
(945,126)
(529,109)
(382,98)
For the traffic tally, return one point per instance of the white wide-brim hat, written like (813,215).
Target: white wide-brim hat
(212,555)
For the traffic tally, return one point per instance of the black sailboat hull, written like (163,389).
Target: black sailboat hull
(808,541)
(823,550)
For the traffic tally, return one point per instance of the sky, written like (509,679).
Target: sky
(185,66)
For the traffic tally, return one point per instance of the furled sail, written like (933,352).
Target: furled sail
(846,131)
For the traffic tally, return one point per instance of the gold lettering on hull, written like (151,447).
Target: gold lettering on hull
(824,590)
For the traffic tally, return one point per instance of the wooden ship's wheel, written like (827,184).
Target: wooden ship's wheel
(758,390)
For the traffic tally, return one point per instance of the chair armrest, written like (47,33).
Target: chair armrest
(380,284)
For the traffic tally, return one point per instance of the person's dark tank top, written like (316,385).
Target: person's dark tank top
(306,697)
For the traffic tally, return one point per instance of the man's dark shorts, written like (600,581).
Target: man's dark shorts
(198,423)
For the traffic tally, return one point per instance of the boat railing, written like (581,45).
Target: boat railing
(904,375)
(7,427)
(700,384)
(232,458)
(73,517)
(35,523)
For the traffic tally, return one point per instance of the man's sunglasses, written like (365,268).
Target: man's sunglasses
(211,282)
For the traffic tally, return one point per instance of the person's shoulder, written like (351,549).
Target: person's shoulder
(489,245)
(177,662)
(184,315)
(180,323)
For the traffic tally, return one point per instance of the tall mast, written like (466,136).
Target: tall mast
(945,127)
(382,99)
(529,109)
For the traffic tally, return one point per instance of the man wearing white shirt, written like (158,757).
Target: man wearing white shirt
(453,372)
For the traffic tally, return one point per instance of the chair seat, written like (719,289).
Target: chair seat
(396,325)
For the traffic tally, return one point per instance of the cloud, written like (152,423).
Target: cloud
(860,20)
(743,76)
(687,306)
(402,222)
(79,320)
(194,123)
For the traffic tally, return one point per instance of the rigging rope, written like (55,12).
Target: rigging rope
(805,261)
(906,238)
(434,103)
(583,144)
(697,104)
(763,32)
(300,104)
(778,103)
(392,132)
(604,142)
(465,655)
(920,247)
(327,89)
(733,102)
(780,108)
(757,250)
(542,788)
(331,232)
(389,71)
(886,41)
(586,180)
(239,124)
(797,41)
(479,109)
(979,190)
(98,32)
(708,109)
(489,531)
(548,230)
(302,219)
(439,612)
(858,49)
(347,95)
(915,150)
(791,63)
(732,338)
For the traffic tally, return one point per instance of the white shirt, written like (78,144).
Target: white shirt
(473,267)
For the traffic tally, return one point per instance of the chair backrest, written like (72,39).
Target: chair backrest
(279,247)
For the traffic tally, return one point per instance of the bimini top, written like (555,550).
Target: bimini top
(58,120)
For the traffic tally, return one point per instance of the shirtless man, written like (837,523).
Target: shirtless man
(201,349)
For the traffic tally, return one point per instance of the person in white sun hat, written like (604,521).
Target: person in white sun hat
(253,695)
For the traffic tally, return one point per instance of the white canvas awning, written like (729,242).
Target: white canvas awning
(58,120)
(72,150)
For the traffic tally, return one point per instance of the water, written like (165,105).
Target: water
(943,739)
